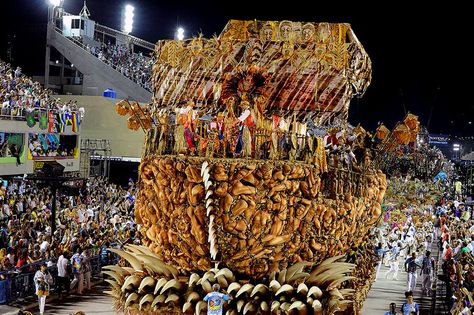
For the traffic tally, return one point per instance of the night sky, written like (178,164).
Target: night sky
(420,55)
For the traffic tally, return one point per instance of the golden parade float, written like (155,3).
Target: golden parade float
(418,173)
(251,176)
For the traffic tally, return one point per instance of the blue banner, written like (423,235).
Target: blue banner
(438,139)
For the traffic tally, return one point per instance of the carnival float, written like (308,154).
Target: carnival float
(418,174)
(251,176)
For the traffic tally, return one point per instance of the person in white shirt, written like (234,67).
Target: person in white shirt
(6,210)
(80,214)
(87,268)
(63,274)
(44,246)
(471,244)
(19,206)
(42,280)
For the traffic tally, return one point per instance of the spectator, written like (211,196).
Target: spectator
(20,95)
(135,66)
(77,271)
(63,274)
(25,231)
(87,268)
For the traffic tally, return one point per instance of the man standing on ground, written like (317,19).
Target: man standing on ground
(215,301)
(393,261)
(42,280)
(410,268)
(427,267)
(63,274)
(77,271)
(86,266)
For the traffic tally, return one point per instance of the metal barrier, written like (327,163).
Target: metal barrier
(21,285)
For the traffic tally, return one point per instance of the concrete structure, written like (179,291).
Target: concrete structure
(100,122)
(8,165)
(97,75)
(76,25)
(69,34)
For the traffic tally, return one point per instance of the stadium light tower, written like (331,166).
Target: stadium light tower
(128,19)
(180,33)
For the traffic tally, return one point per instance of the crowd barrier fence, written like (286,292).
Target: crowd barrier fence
(19,283)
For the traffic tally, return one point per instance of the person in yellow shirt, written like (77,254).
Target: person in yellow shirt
(458,187)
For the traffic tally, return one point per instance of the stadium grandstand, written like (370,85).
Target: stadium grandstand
(86,58)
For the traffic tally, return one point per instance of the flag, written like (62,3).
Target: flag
(30,118)
(75,123)
(68,119)
(53,140)
(44,143)
(43,120)
(51,127)
(57,122)
(62,122)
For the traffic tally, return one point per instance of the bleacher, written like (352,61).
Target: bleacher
(105,57)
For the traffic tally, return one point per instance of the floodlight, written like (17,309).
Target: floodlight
(55,3)
(180,33)
(129,8)
(128,19)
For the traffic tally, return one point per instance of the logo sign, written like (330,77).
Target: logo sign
(37,165)
(438,139)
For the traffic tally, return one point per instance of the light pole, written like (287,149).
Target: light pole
(52,6)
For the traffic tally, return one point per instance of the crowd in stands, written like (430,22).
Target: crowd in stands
(86,224)
(455,231)
(134,66)
(9,150)
(51,149)
(19,94)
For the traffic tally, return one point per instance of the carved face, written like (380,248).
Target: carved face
(324,32)
(285,30)
(267,33)
(287,50)
(308,32)
(196,46)
(296,32)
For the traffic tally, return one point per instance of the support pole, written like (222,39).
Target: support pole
(53,210)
